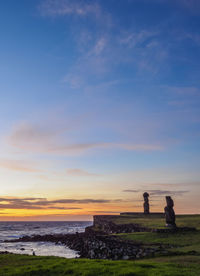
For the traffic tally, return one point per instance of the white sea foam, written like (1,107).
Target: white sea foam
(13,230)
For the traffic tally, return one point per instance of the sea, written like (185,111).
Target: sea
(14,230)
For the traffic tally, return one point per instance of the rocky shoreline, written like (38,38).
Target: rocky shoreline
(101,242)
(98,245)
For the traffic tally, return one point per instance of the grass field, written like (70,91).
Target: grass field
(158,221)
(183,258)
(185,242)
(22,265)
(182,242)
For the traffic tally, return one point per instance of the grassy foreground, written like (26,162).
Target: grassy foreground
(23,265)
(183,260)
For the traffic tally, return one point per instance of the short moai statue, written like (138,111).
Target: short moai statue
(146,203)
(169,213)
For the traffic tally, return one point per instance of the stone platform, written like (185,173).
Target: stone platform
(105,223)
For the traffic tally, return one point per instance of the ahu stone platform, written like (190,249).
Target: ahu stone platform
(106,224)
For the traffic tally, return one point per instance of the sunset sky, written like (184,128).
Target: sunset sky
(100,101)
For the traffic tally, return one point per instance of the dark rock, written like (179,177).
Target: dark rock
(94,246)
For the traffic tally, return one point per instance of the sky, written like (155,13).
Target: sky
(99,103)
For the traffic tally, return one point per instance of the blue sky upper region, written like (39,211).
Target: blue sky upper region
(99,102)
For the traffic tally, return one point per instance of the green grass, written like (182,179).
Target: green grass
(184,242)
(159,222)
(22,265)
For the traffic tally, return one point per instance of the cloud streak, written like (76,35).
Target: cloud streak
(67,7)
(80,172)
(44,204)
(27,137)
(18,165)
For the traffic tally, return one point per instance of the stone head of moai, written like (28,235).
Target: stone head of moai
(170,202)
(146,196)
(146,203)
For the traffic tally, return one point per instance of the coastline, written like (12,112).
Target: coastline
(97,244)
(137,253)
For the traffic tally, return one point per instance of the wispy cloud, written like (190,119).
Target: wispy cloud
(185,90)
(140,147)
(31,136)
(99,46)
(95,57)
(142,38)
(178,184)
(184,97)
(42,203)
(34,138)
(18,165)
(67,7)
(191,5)
(146,49)
(41,140)
(161,192)
(32,207)
(80,172)
(112,45)
(192,36)
(142,50)
(131,191)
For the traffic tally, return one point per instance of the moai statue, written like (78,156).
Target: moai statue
(169,213)
(146,203)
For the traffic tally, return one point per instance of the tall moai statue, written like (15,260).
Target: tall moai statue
(146,203)
(169,213)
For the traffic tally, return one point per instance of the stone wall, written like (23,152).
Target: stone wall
(106,225)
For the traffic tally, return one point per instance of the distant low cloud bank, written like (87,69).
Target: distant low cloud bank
(43,203)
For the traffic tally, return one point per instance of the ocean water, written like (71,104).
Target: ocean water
(13,230)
